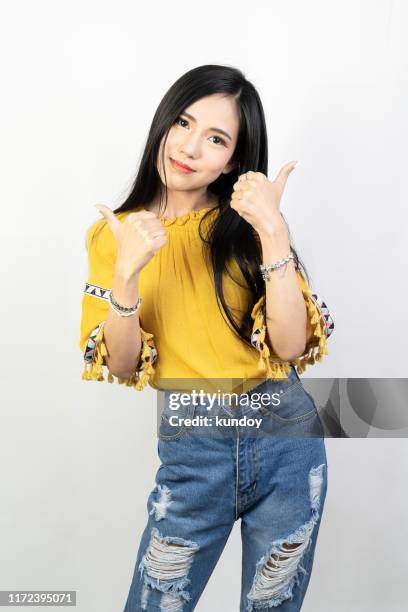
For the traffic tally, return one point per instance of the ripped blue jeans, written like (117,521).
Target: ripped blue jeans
(267,467)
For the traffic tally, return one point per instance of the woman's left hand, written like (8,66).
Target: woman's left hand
(257,199)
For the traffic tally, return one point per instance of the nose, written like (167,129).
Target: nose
(190,145)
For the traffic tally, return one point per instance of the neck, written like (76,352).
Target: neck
(179,203)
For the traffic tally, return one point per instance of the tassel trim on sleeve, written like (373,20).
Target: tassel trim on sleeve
(96,352)
(316,346)
(272,367)
(320,326)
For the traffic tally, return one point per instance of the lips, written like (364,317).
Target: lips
(180,165)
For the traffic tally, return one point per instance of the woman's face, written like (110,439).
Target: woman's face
(203,137)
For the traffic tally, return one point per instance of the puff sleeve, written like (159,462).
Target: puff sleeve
(320,326)
(95,305)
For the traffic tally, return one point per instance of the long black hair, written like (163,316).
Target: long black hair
(230,236)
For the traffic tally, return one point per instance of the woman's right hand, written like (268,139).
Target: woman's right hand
(138,239)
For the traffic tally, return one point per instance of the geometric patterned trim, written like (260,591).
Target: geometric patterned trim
(255,338)
(90,345)
(325,313)
(153,354)
(96,291)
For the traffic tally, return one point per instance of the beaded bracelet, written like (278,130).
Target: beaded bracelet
(123,311)
(265,268)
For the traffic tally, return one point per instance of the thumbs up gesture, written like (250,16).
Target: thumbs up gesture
(138,238)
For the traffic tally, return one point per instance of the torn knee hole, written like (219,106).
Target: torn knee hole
(165,567)
(277,573)
(167,560)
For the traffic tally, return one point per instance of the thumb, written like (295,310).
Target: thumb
(110,217)
(284,172)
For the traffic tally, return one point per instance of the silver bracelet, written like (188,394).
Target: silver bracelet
(266,268)
(123,311)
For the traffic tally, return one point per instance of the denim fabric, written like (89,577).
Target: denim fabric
(272,477)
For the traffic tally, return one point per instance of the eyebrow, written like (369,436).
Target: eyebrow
(214,129)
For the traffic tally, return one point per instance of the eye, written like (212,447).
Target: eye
(180,119)
(222,141)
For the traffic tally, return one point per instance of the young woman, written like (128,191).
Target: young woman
(206,295)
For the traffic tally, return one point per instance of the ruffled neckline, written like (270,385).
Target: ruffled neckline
(190,216)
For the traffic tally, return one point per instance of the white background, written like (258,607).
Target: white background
(80,83)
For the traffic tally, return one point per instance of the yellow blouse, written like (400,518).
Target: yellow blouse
(184,335)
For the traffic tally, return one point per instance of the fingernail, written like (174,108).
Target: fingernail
(295,164)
